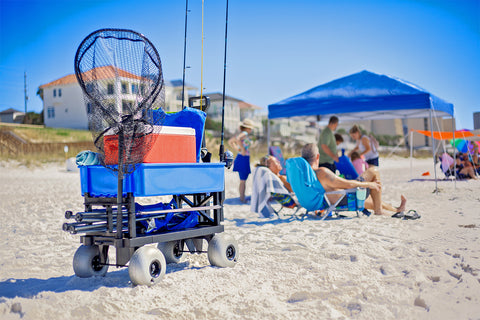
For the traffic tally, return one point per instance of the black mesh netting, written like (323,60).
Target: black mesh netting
(121,76)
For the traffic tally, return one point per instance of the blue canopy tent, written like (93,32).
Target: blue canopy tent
(364,96)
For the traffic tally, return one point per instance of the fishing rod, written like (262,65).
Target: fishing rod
(222,152)
(184,54)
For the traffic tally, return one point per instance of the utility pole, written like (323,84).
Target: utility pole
(26,97)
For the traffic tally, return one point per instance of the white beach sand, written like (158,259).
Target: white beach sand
(359,268)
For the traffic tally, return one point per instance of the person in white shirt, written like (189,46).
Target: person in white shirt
(364,146)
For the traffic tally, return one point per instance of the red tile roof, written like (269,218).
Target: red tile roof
(246,105)
(107,72)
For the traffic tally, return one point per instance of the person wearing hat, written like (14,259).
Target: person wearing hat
(242,143)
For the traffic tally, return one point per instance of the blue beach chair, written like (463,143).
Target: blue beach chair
(312,196)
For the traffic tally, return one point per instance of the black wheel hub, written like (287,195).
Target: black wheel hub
(96,265)
(230,252)
(155,269)
(177,252)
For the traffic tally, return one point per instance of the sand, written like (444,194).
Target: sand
(373,267)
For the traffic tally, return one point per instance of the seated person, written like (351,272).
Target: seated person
(475,158)
(464,168)
(338,138)
(358,163)
(268,184)
(369,179)
(274,165)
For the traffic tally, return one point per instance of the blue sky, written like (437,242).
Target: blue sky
(275,48)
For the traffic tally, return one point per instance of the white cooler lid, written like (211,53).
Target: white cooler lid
(185,131)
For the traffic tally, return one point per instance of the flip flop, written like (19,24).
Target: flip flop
(399,215)
(411,215)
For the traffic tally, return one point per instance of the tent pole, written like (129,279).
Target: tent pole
(454,154)
(268,134)
(411,154)
(433,151)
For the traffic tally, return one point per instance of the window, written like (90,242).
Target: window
(127,106)
(110,89)
(54,92)
(50,112)
(134,88)
(59,92)
(124,87)
(89,87)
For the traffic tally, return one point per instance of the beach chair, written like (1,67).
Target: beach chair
(445,162)
(312,196)
(268,190)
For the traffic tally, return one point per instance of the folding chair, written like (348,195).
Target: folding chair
(312,196)
(268,190)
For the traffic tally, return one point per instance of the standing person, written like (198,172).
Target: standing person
(364,146)
(242,143)
(328,146)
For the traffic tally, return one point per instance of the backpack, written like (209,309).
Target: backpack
(373,143)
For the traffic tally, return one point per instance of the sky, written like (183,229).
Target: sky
(275,49)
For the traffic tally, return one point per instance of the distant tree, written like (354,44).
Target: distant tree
(34,118)
(213,125)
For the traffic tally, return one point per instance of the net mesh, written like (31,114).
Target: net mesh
(121,77)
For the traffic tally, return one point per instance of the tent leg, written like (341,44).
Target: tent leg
(433,152)
(411,154)
(454,153)
(268,134)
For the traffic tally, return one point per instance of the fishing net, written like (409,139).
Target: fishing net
(120,74)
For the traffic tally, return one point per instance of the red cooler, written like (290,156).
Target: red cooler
(168,145)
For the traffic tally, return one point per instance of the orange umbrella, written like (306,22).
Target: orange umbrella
(445,135)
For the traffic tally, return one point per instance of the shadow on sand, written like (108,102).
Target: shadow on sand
(29,288)
(236,201)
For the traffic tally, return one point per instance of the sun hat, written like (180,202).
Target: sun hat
(247,123)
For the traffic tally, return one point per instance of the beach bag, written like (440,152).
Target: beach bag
(171,221)
(373,143)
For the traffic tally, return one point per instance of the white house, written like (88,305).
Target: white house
(173,95)
(64,105)
(236,111)
(247,110)
(232,111)
(12,116)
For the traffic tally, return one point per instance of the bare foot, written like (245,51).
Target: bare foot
(403,202)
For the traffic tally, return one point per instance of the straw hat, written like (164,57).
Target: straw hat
(247,123)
